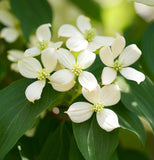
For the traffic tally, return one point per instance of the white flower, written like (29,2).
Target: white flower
(100,97)
(11,32)
(147,2)
(14,56)
(127,56)
(85,39)
(30,67)
(75,68)
(43,35)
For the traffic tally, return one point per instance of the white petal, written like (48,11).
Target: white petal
(86,58)
(65,58)
(9,34)
(106,56)
(133,74)
(146,2)
(93,96)
(107,120)
(43,32)
(100,41)
(14,67)
(130,55)
(87,80)
(110,94)
(49,59)
(33,91)
(14,55)
(80,112)
(55,45)
(62,77)
(83,23)
(29,67)
(63,88)
(108,75)
(68,30)
(118,45)
(76,44)
(34,51)
(7,18)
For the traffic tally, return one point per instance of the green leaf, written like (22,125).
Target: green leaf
(89,7)
(93,142)
(31,14)
(56,145)
(129,120)
(148,49)
(139,98)
(17,114)
(74,153)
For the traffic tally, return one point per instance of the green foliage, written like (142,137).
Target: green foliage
(31,14)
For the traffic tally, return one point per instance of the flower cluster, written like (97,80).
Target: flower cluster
(112,53)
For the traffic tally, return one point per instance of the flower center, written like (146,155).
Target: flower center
(43,74)
(89,34)
(98,107)
(77,69)
(42,45)
(117,65)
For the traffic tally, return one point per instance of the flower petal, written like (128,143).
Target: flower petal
(76,44)
(14,67)
(33,91)
(87,80)
(29,67)
(86,58)
(9,34)
(49,59)
(43,32)
(110,94)
(65,58)
(130,55)
(83,23)
(14,55)
(80,111)
(68,30)
(106,56)
(118,45)
(133,74)
(63,76)
(93,96)
(107,120)
(99,41)
(108,75)
(55,45)
(34,51)
(63,88)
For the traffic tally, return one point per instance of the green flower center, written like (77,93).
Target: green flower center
(117,65)
(77,69)
(43,74)
(98,107)
(42,45)
(89,34)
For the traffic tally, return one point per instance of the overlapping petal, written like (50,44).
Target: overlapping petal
(34,51)
(14,55)
(80,111)
(107,120)
(55,45)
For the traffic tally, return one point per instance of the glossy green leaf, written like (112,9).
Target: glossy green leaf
(31,14)
(129,120)
(89,7)
(148,48)
(93,142)
(17,114)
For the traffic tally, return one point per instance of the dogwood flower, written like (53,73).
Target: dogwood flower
(85,38)
(127,56)
(12,31)
(14,56)
(30,67)
(99,98)
(43,35)
(75,68)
